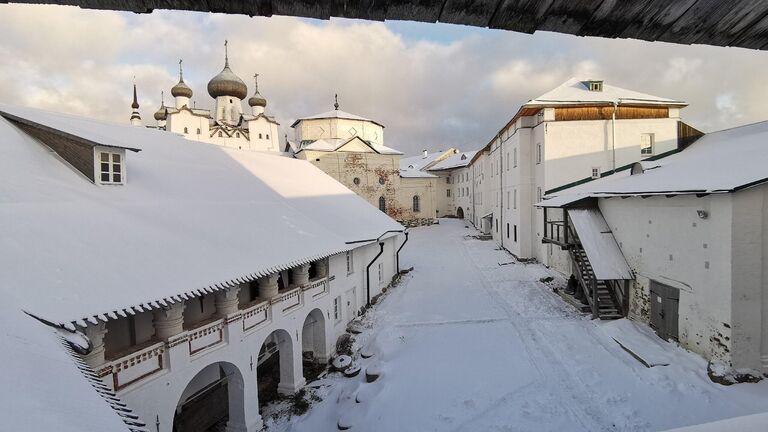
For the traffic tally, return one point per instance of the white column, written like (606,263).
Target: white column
(268,286)
(300,275)
(95,334)
(226,301)
(322,267)
(291,366)
(169,320)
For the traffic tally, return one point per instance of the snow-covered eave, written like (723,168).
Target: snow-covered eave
(159,303)
(61,133)
(544,103)
(566,202)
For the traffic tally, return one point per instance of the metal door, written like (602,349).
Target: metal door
(665,302)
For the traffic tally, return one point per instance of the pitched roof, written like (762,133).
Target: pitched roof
(576,91)
(719,162)
(40,382)
(458,160)
(191,217)
(421,162)
(337,114)
(335,144)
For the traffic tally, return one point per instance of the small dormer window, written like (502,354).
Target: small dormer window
(110,168)
(595,86)
(220,134)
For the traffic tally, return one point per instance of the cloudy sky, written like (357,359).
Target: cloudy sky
(433,86)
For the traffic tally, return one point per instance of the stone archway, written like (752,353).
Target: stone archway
(276,369)
(314,346)
(460,213)
(213,399)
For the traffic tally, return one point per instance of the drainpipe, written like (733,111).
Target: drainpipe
(399,249)
(368,274)
(501,189)
(613,138)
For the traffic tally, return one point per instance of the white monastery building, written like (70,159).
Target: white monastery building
(200,274)
(228,125)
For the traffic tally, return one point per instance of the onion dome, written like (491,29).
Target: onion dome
(257,99)
(162,112)
(181,88)
(226,83)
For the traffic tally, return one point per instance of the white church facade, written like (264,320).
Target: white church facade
(228,125)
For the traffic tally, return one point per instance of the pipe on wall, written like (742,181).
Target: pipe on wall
(368,275)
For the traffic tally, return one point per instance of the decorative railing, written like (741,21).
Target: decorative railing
(135,366)
(288,300)
(205,336)
(255,315)
(316,288)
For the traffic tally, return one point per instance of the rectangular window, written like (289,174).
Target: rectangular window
(110,168)
(507,161)
(337,309)
(507,203)
(350,263)
(507,230)
(514,199)
(514,157)
(595,172)
(646,144)
(514,233)
(497,225)
(448,193)
(538,153)
(381,272)
(538,194)
(448,180)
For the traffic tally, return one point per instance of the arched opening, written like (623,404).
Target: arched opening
(416,204)
(275,366)
(460,213)
(382,204)
(213,399)
(314,349)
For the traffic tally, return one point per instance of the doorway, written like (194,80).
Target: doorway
(460,213)
(665,306)
(351,305)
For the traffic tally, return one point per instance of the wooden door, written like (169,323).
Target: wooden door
(665,301)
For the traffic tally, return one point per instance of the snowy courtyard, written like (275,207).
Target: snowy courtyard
(471,341)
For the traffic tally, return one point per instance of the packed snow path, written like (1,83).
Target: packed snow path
(467,344)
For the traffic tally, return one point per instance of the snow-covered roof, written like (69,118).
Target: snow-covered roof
(576,91)
(41,386)
(719,162)
(421,162)
(335,114)
(604,255)
(415,173)
(334,144)
(191,217)
(456,161)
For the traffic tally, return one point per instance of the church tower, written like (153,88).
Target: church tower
(229,91)
(135,116)
(257,101)
(181,91)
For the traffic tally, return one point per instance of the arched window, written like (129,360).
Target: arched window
(259,136)
(382,180)
(382,204)
(237,134)
(186,131)
(198,131)
(416,204)
(267,136)
(220,134)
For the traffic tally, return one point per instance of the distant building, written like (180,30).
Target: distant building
(228,125)
(351,149)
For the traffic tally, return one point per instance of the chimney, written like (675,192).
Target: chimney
(424,153)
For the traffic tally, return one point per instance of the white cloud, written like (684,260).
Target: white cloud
(428,94)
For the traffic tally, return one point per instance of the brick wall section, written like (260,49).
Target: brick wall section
(79,155)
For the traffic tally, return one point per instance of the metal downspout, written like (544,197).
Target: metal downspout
(399,249)
(368,275)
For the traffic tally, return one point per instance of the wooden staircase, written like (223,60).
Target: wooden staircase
(602,295)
